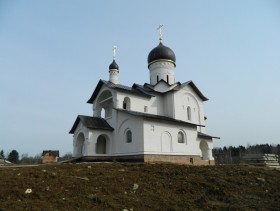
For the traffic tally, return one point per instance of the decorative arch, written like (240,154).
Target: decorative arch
(104,102)
(80,142)
(190,95)
(181,138)
(204,150)
(128,135)
(102,144)
(121,125)
(166,142)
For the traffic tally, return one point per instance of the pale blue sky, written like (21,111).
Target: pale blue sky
(53,53)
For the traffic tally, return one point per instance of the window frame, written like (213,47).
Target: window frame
(181,140)
(189,113)
(128,136)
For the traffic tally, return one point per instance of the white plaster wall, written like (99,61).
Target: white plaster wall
(163,87)
(162,69)
(114,76)
(137,103)
(187,97)
(128,122)
(168,103)
(173,104)
(153,131)
(91,145)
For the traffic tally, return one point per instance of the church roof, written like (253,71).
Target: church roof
(176,88)
(91,123)
(114,66)
(161,53)
(157,117)
(145,90)
(137,90)
(194,87)
(52,152)
(203,135)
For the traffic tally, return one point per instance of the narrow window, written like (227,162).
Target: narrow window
(145,109)
(157,78)
(180,137)
(124,105)
(128,136)
(189,113)
(102,113)
(167,78)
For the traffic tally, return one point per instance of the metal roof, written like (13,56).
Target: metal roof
(52,152)
(145,90)
(158,117)
(203,135)
(120,87)
(92,123)
(194,87)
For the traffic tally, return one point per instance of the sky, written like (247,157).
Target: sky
(53,53)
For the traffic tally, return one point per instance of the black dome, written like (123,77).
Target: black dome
(161,52)
(114,66)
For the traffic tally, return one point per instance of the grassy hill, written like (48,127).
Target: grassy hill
(126,186)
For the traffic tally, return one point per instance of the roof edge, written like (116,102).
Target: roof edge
(206,135)
(153,116)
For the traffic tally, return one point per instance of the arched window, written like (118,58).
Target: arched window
(104,105)
(128,136)
(167,79)
(189,113)
(102,113)
(157,78)
(126,103)
(181,137)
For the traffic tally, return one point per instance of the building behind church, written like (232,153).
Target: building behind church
(159,121)
(50,156)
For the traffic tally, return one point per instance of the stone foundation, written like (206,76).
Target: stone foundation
(176,159)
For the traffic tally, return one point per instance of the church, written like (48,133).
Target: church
(159,121)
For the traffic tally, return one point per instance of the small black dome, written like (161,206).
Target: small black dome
(114,66)
(161,52)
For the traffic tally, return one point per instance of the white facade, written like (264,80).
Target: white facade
(162,71)
(161,119)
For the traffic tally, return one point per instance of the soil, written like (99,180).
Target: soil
(133,186)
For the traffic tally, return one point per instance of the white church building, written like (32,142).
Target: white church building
(160,121)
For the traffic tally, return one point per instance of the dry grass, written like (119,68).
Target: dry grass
(119,186)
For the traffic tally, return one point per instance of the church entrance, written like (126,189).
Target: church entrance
(101,145)
(204,150)
(80,144)
(166,142)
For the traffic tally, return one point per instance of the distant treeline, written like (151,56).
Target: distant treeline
(14,157)
(233,155)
